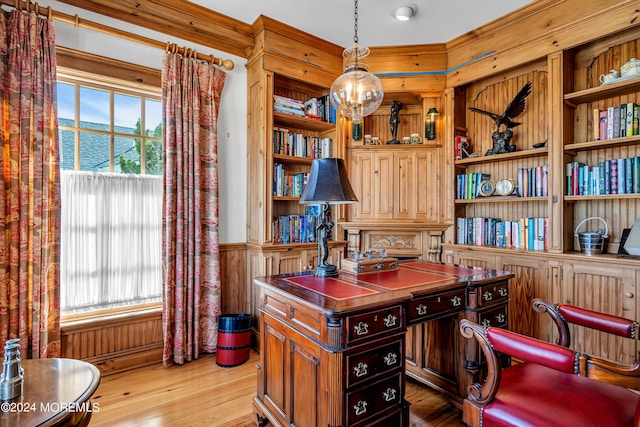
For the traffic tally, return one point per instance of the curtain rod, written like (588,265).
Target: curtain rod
(75,20)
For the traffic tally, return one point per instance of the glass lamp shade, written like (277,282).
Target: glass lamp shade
(356,93)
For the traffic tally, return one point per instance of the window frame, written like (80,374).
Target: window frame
(111,84)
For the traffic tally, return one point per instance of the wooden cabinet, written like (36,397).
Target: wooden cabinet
(608,289)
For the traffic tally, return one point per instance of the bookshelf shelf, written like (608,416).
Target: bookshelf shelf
(282,119)
(622,87)
(285,198)
(500,199)
(292,159)
(591,198)
(605,143)
(538,152)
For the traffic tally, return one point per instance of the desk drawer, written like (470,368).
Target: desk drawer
(421,309)
(496,317)
(495,292)
(371,362)
(373,399)
(375,324)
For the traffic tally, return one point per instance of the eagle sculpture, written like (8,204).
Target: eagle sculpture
(504,123)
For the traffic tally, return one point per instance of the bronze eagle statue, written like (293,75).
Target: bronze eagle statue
(514,109)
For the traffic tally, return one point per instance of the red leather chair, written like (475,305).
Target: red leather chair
(544,390)
(594,367)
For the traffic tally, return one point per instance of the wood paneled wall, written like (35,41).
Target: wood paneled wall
(128,341)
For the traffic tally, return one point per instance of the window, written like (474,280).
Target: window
(111,189)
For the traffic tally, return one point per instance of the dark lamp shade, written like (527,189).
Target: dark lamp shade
(328,183)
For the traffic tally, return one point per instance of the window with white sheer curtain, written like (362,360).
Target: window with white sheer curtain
(110,243)
(111,188)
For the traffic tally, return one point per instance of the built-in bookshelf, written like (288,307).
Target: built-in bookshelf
(601,150)
(501,200)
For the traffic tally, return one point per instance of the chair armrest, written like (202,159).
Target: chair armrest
(613,373)
(563,314)
(493,340)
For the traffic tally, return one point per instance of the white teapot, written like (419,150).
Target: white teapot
(630,68)
(609,77)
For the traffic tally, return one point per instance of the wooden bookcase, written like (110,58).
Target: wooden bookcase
(272,70)
(565,92)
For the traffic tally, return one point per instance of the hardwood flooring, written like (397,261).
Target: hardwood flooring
(201,393)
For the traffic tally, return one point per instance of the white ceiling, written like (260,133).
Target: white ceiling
(333,20)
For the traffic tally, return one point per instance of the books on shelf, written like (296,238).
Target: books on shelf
(315,108)
(289,143)
(614,176)
(616,122)
(525,233)
(294,229)
(288,185)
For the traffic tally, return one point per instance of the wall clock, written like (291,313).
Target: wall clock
(487,188)
(505,187)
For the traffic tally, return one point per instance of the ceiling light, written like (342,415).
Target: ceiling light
(406,12)
(356,93)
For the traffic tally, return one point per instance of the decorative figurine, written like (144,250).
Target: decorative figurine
(503,133)
(394,119)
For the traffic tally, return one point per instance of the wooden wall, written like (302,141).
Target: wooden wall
(121,342)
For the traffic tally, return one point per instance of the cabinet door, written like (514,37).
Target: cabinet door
(530,281)
(610,290)
(372,182)
(404,185)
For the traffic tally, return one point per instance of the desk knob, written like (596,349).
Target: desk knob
(629,295)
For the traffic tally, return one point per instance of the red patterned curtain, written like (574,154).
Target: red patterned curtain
(30,185)
(190,245)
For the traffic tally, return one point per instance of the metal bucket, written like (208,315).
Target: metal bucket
(593,242)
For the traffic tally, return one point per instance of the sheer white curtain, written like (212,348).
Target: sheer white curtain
(111,243)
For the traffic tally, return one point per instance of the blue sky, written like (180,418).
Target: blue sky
(94,107)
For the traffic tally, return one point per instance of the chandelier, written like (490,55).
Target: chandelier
(356,93)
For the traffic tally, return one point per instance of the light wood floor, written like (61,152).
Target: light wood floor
(201,393)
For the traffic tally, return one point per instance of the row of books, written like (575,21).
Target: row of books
(285,184)
(616,122)
(615,176)
(290,143)
(468,185)
(314,108)
(525,233)
(533,182)
(320,109)
(294,229)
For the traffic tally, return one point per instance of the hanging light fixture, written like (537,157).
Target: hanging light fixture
(356,93)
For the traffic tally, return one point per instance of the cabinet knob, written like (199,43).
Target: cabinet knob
(629,295)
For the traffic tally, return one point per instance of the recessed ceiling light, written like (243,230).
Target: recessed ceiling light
(405,12)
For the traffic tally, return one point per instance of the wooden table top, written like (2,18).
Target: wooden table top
(54,392)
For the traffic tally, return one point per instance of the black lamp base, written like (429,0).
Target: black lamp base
(326,270)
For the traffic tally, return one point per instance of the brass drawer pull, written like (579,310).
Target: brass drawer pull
(487,296)
(456,301)
(503,292)
(360,407)
(390,394)
(500,318)
(421,309)
(390,321)
(486,323)
(391,359)
(361,329)
(361,370)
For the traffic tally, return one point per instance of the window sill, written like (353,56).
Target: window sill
(102,318)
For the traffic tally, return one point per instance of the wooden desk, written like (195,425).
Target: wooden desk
(332,349)
(55,392)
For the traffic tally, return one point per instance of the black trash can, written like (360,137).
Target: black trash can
(234,339)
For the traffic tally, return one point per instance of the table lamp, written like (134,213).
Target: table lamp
(327,185)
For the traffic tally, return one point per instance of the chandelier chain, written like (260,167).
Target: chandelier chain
(355,23)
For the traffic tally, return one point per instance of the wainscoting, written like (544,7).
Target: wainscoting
(129,340)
